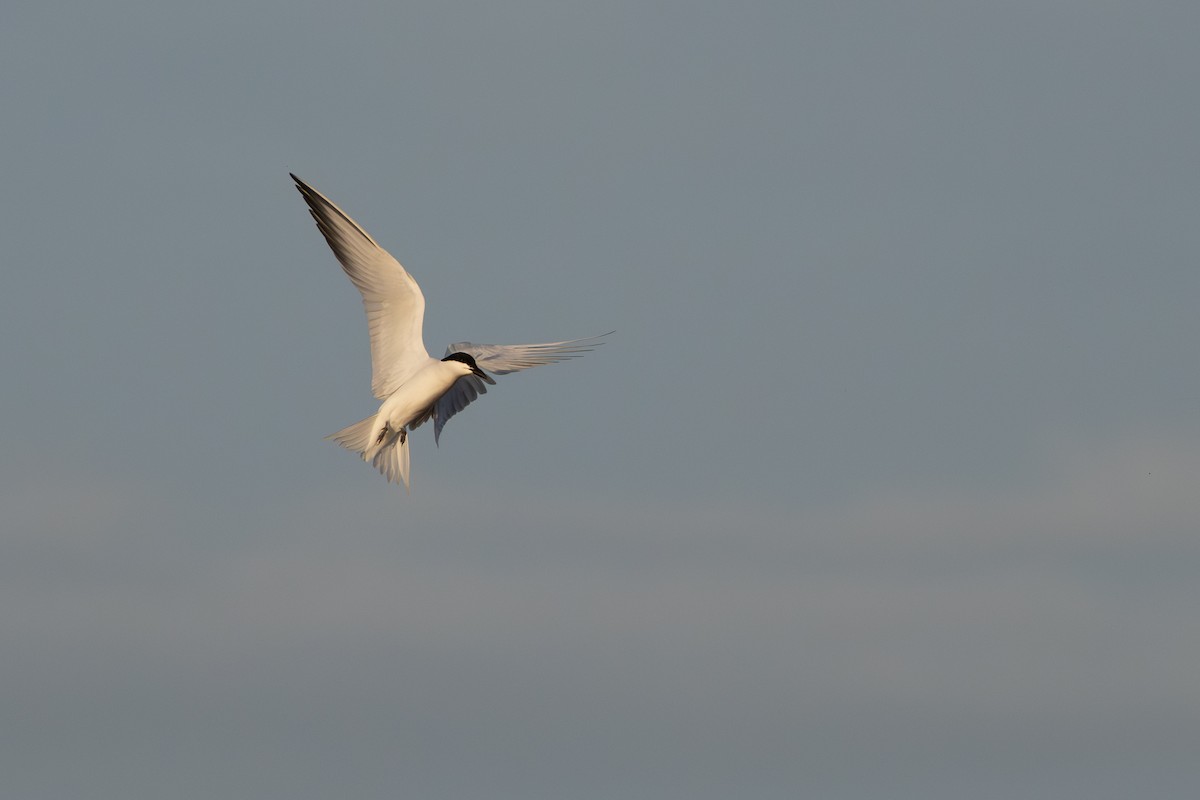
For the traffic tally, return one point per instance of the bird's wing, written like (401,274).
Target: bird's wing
(392,299)
(460,395)
(500,359)
(505,358)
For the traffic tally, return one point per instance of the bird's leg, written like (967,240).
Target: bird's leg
(382,434)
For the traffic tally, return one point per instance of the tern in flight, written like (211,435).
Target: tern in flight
(413,386)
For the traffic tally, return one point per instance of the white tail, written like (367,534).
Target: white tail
(390,457)
(356,437)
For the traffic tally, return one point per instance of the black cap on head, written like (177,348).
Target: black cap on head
(469,360)
(465,358)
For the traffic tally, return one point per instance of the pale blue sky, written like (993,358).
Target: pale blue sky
(884,487)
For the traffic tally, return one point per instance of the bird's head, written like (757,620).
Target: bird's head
(467,363)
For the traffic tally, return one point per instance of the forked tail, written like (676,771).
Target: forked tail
(387,452)
(356,437)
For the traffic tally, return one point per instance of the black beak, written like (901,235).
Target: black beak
(483,376)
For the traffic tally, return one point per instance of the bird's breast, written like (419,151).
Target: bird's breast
(418,393)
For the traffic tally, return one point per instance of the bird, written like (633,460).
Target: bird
(413,386)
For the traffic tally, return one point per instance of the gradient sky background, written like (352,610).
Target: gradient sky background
(886,486)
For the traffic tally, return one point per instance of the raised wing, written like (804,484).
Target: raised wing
(392,299)
(500,359)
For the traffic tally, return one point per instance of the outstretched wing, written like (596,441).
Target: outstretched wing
(505,358)
(392,299)
(501,359)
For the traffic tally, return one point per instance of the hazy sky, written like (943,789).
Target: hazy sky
(886,486)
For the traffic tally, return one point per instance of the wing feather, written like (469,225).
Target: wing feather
(501,359)
(505,358)
(392,299)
